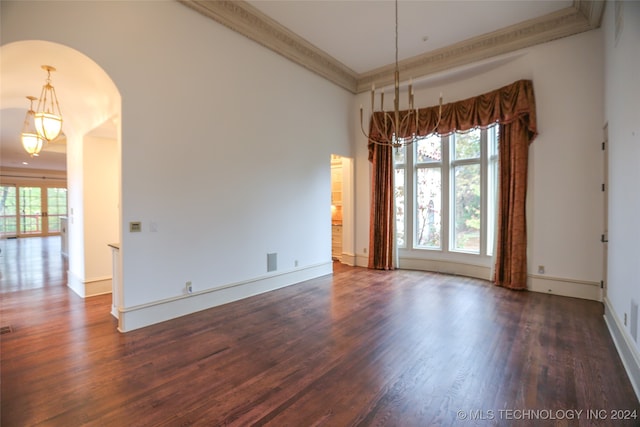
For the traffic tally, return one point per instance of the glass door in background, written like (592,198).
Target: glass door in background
(8,211)
(56,208)
(31,210)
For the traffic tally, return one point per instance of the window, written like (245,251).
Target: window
(8,211)
(57,207)
(33,210)
(447,202)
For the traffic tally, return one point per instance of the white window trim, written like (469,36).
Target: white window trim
(445,259)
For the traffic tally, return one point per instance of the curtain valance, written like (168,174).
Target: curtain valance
(505,105)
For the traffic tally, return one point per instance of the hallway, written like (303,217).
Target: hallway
(31,263)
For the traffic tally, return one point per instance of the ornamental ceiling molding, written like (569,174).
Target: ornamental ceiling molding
(245,19)
(583,15)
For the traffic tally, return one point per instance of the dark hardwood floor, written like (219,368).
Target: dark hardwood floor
(30,263)
(360,347)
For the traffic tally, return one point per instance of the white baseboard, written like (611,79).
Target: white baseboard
(130,318)
(89,288)
(446,267)
(348,259)
(565,287)
(536,283)
(361,260)
(627,351)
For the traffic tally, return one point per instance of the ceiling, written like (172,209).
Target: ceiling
(22,75)
(361,34)
(349,42)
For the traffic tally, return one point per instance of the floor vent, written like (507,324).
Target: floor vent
(5,330)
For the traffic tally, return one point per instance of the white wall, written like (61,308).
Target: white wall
(75,210)
(101,195)
(225,145)
(564,201)
(622,108)
(235,167)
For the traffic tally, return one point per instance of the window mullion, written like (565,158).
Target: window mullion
(463,162)
(446,171)
(484,191)
(409,197)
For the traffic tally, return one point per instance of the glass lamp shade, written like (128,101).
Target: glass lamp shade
(48,125)
(32,143)
(48,117)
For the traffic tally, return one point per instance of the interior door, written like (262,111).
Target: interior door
(605,196)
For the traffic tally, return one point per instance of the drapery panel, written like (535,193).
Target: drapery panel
(514,108)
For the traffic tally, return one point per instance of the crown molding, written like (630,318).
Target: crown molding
(245,19)
(240,16)
(581,16)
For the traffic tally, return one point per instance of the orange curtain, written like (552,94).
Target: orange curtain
(381,228)
(381,218)
(511,243)
(514,108)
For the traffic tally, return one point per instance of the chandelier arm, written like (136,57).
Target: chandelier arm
(55,98)
(376,125)
(435,128)
(406,120)
(42,100)
(362,123)
(382,131)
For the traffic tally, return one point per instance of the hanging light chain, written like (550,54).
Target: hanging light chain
(398,126)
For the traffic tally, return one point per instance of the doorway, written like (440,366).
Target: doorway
(605,204)
(336,207)
(31,209)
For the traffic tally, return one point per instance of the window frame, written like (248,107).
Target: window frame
(488,162)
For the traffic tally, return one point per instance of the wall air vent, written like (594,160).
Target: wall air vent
(272,262)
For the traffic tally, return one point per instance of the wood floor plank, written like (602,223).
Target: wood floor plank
(359,347)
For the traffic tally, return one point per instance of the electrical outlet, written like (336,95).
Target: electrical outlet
(365,250)
(295,263)
(625,319)
(188,288)
(541,269)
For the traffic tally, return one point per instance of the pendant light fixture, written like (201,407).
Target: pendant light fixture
(31,141)
(48,118)
(392,124)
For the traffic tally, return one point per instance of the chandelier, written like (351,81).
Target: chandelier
(385,124)
(31,141)
(48,118)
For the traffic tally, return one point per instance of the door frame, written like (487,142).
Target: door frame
(605,210)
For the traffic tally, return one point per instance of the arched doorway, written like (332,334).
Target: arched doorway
(91,106)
